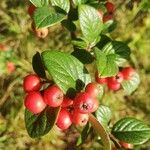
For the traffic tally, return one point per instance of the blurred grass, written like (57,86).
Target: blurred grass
(15,32)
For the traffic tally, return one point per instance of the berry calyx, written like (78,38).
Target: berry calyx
(99,79)
(66,102)
(127,72)
(31,9)
(126,145)
(34,102)
(32,83)
(64,119)
(109,6)
(92,89)
(84,103)
(80,119)
(53,96)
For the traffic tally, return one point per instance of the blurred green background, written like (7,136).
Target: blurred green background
(133,18)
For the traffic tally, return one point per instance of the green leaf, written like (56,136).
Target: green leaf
(40,3)
(131,131)
(69,25)
(38,65)
(63,4)
(78,2)
(66,70)
(103,115)
(84,56)
(106,64)
(41,124)
(47,16)
(79,43)
(131,85)
(90,23)
(100,130)
(120,49)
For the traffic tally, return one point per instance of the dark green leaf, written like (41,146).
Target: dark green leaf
(84,56)
(79,43)
(106,64)
(69,25)
(63,4)
(90,23)
(66,70)
(103,115)
(40,3)
(41,124)
(131,131)
(38,66)
(109,26)
(131,85)
(47,16)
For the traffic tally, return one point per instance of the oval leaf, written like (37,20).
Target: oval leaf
(66,70)
(131,85)
(78,2)
(91,24)
(41,124)
(63,4)
(131,131)
(103,115)
(40,3)
(47,16)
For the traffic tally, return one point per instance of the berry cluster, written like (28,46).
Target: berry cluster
(114,83)
(41,32)
(108,15)
(72,110)
(124,145)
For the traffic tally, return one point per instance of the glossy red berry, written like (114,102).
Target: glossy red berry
(67,102)
(80,119)
(107,17)
(84,103)
(109,6)
(31,83)
(119,77)
(126,145)
(41,32)
(128,72)
(31,9)
(113,84)
(92,89)
(53,96)
(34,102)
(99,79)
(64,119)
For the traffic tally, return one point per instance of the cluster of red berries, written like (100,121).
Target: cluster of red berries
(114,83)
(41,32)
(124,145)
(109,14)
(72,110)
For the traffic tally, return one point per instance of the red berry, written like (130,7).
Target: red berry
(128,72)
(41,32)
(31,9)
(113,84)
(11,67)
(34,102)
(109,6)
(100,13)
(92,89)
(53,96)
(32,83)
(64,119)
(126,145)
(3,47)
(84,103)
(107,17)
(119,77)
(80,119)
(67,102)
(99,79)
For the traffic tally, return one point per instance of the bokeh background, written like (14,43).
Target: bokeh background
(17,46)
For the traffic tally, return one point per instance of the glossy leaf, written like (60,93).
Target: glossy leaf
(78,2)
(90,23)
(66,70)
(47,16)
(131,85)
(41,124)
(40,3)
(131,130)
(103,115)
(63,4)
